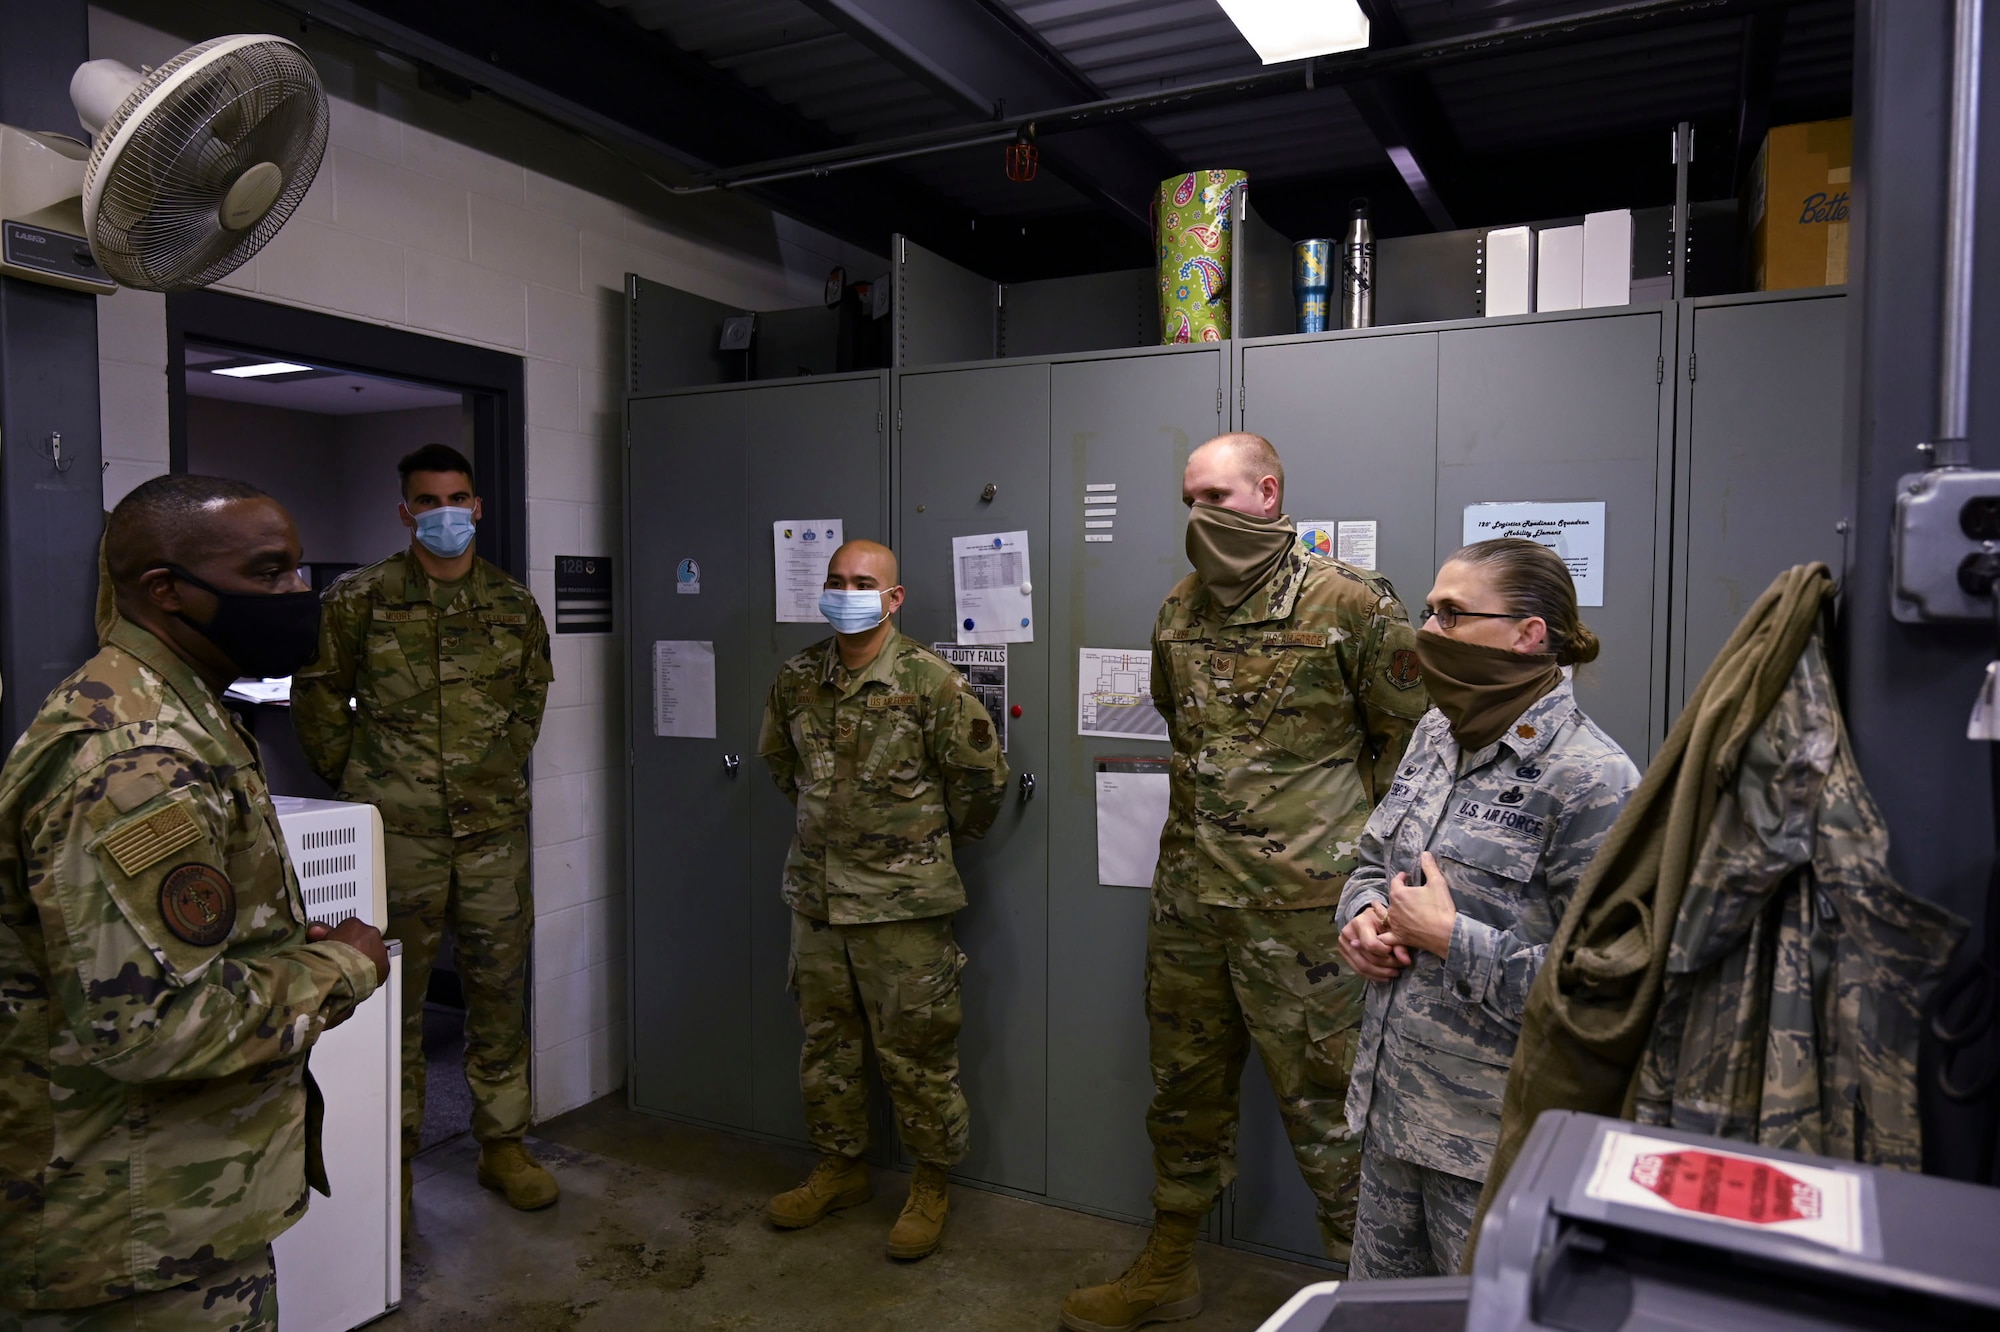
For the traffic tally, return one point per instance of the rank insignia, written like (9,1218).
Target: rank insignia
(198,904)
(1403,672)
(1525,731)
(982,733)
(1221,665)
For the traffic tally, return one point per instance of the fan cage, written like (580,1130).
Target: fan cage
(164,162)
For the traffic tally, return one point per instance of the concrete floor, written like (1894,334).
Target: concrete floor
(662,1226)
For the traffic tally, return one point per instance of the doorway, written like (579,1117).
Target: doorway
(317,411)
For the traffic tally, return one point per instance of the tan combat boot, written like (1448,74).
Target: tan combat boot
(837,1181)
(921,1226)
(1161,1286)
(505,1165)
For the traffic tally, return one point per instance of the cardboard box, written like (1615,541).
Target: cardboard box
(1799,205)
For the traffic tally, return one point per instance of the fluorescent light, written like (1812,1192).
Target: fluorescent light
(1281,30)
(255,371)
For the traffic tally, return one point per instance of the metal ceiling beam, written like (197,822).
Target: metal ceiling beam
(979,57)
(1637,19)
(594,71)
(1763,37)
(1408,119)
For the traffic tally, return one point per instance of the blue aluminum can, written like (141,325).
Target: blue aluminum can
(1312,284)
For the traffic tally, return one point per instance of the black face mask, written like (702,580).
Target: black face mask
(266,635)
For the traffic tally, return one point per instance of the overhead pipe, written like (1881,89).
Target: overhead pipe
(1317,72)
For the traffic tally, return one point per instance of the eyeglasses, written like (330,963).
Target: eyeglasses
(1448,617)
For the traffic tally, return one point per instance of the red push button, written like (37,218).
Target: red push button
(1014,711)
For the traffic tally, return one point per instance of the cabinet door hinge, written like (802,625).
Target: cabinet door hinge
(1690,367)
(1242,394)
(1218,402)
(1660,370)
(878,423)
(899,420)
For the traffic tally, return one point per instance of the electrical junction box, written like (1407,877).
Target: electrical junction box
(1946,551)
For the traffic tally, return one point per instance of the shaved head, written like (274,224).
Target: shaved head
(170,520)
(857,562)
(177,545)
(1236,471)
(1251,455)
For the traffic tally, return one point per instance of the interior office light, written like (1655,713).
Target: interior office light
(257,371)
(1281,30)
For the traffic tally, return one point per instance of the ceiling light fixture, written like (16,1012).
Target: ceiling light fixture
(1281,30)
(258,371)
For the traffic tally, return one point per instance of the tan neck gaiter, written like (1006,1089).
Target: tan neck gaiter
(1233,553)
(1482,690)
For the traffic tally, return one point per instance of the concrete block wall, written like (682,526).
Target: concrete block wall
(483,224)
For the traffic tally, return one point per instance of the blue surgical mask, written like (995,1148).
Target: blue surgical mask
(445,532)
(852,612)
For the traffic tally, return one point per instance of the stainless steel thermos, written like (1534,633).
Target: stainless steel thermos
(1357,271)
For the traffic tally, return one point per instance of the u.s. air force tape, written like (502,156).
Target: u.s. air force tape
(198,903)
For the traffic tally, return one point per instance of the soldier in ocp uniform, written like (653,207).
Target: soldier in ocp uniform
(159,984)
(1501,803)
(891,762)
(447,661)
(1290,688)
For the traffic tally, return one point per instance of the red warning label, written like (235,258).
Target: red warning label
(1824,1204)
(1734,1187)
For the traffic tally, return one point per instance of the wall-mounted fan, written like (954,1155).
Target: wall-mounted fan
(192,167)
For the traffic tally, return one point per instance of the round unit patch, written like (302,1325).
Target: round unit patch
(198,904)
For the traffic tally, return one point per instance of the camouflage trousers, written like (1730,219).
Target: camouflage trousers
(478,884)
(1414,1220)
(895,984)
(242,1297)
(1218,978)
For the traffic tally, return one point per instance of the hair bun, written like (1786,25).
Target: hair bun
(1583,647)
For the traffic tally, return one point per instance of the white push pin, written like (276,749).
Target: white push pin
(1027,589)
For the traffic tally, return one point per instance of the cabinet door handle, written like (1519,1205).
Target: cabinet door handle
(731,762)
(1027,787)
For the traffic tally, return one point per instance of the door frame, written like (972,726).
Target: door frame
(493,381)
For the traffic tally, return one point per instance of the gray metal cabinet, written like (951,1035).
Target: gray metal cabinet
(1760,440)
(714,1035)
(689,820)
(1720,480)
(1130,421)
(960,431)
(1355,418)
(1571,409)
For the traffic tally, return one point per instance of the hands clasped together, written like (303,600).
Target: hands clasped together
(1377,943)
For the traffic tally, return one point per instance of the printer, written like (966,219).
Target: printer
(1609,1226)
